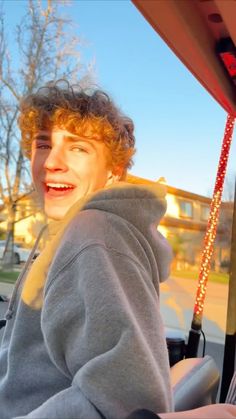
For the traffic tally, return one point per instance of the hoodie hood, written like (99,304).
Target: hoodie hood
(143,207)
(139,205)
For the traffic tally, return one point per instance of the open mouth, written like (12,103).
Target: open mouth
(58,189)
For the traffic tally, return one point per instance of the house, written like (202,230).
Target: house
(29,219)
(185,223)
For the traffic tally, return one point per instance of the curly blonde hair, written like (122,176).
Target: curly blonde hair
(88,113)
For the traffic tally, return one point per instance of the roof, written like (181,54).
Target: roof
(170,189)
(193,29)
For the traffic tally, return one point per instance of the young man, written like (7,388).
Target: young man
(84,336)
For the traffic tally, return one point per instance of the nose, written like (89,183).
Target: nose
(55,160)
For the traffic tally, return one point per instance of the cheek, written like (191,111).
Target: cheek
(83,168)
(100,176)
(35,169)
(91,171)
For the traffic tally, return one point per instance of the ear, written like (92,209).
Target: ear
(112,178)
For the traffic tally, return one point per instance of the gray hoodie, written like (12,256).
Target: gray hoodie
(95,347)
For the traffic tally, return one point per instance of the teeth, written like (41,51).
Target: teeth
(58,185)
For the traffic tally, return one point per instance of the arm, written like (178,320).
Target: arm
(214,411)
(103,329)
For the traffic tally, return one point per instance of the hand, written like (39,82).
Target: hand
(213,411)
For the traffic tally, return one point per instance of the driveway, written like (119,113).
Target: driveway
(177,302)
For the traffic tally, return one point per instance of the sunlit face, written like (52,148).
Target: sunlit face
(65,168)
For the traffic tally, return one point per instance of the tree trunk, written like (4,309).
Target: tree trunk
(8,255)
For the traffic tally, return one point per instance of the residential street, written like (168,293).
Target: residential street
(177,302)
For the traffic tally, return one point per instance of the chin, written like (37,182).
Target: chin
(56,213)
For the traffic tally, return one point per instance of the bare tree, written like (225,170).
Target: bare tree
(45,49)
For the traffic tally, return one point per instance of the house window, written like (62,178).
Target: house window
(205,211)
(186,209)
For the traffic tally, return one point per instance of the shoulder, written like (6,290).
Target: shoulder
(90,226)
(93,227)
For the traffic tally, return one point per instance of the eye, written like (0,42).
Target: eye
(42,146)
(79,149)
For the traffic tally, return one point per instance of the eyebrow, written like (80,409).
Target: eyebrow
(68,138)
(41,137)
(71,138)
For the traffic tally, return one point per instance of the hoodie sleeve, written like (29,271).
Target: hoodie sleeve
(103,330)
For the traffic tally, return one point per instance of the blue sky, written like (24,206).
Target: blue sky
(179,126)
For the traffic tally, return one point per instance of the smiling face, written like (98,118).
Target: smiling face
(65,168)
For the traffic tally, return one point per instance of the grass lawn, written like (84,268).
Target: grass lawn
(9,277)
(221,278)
